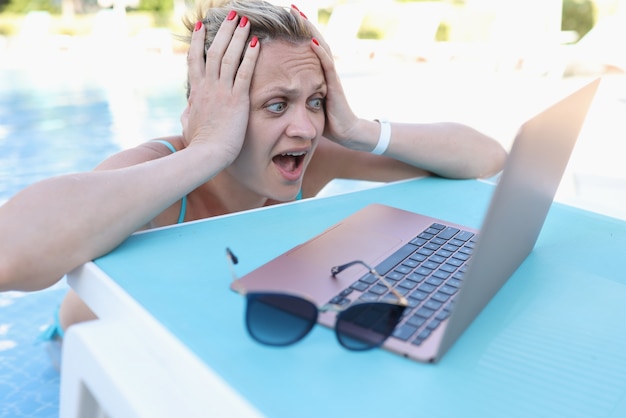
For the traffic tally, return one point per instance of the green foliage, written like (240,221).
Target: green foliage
(578,16)
(158,6)
(25,6)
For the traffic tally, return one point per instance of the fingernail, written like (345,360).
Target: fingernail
(293,6)
(198,26)
(303,15)
(254,41)
(316,42)
(231,15)
(243,22)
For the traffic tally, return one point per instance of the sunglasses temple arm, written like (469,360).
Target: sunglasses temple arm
(232,260)
(392,289)
(338,269)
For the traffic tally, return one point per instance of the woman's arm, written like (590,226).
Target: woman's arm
(57,224)
(446,149)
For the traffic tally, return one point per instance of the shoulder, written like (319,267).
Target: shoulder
(142,153)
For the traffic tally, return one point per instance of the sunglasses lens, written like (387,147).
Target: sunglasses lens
(367,325)
(278,319)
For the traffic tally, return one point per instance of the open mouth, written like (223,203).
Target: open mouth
(289,162)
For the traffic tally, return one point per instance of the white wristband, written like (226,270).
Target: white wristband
(385,137)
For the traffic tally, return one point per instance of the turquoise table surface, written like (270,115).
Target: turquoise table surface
(551,343)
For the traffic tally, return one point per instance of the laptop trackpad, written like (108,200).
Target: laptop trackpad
(345,243)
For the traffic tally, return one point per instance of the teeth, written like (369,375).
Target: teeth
(294,154)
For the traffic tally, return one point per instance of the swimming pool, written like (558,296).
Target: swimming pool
(59,114)
(64,115)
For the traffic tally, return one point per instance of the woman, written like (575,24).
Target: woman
(266,122)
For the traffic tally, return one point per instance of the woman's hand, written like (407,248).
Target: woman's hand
(219,100)
(341,122)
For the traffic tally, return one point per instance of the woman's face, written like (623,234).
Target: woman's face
(286,120)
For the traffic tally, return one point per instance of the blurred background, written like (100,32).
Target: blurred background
(83,79)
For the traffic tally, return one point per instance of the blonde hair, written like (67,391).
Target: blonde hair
(267,21)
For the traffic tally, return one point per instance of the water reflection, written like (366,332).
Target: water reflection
(64,114)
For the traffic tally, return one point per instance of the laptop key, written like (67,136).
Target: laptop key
(464,236)
(360,286)
(402,269)
(453,282)
(440,296)
(425,287)
(395,259)
(461,256)
(378,289)
(416,277)
(448,233)
(455,262)
(425,251)
(410,263)
(418,241)
(436,259)
(425,235)
(438,241)
(441,273)
(424,312)
(434,281)
(416,321)
(339,300)
(404,332)
(407,284)
(432,304)
(442,315)
(418,295)
(369,297)
(421,336)
(396,275)
(447,289)
(418,257)
(432,325)
(368,279)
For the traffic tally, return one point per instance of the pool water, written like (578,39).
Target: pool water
(58,115)
(59,118)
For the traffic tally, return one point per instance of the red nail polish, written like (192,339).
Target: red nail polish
(231,15)
(304,16)
(316,42)
(293,6)
(243,22)
(254,41)
(198,26)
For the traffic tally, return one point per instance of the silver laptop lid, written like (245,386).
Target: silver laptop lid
(520,204)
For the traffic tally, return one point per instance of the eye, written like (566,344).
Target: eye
(317,103)
(277,107)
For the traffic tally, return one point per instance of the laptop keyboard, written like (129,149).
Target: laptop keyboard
(428,271)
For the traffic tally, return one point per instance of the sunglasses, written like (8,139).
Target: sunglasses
(281,319)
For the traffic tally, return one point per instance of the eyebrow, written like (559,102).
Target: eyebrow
(291,91)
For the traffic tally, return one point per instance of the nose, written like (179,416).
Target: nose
(301,124)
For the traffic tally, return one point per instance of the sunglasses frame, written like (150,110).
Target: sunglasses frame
(328,307)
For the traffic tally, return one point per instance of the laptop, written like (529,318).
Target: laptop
(447,272)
